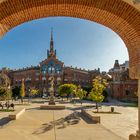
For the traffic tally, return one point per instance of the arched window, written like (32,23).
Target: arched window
(51,67)
(58,69)
(44,69)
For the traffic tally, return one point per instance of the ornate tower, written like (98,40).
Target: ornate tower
(51,52)
(116,73)
(116,65)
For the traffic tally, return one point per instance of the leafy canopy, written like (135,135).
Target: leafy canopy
(34,92)
(5,92)
(99,85)
(66,89)
(22,90)
(80,93)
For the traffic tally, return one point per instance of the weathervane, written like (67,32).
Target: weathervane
(136,1)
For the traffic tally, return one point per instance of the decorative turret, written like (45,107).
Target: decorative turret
(116,65)
(51,52)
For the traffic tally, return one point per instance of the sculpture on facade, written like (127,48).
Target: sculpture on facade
(51,91)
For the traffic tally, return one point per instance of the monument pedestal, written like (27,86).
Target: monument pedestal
(51,101)
(52,105)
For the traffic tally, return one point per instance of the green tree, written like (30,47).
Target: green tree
(16,92)
(22,90)
(66,90)
(5,94)
(34,92)
(87,89)
(96,93)
(5,91)
(80,93)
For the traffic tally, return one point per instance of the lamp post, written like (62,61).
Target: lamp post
(8,93)
(29,94)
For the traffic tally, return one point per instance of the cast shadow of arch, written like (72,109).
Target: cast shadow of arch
(71,119)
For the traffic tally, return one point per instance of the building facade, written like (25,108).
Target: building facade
(122,86)
(38,77)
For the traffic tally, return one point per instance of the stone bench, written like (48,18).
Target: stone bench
(16,114)
(52,107)
(92,116)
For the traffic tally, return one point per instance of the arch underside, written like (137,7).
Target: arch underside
(117,15)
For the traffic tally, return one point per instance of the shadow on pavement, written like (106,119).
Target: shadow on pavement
(61,123)
(87,120)
(4,121)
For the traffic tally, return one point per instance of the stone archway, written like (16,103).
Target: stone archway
(119,15)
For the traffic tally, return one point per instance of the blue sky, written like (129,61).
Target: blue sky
(80,43)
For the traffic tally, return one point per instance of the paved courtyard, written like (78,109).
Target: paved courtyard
(35,124)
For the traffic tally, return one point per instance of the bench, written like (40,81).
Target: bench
(16,114)
(95,118)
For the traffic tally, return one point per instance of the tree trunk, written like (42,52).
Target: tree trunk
(97,107)
(22,100)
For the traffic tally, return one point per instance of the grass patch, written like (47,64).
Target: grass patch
(132,105)
(106,112)
(79,105)
(22,104)
(68,107)
(7,110)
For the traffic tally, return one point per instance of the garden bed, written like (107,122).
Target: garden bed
(106,112)
(24,104)
(7,110)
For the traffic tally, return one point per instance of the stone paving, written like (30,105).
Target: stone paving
(122,124)
(31,125)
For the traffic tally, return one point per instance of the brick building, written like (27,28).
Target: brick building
(37,77)
(122,86)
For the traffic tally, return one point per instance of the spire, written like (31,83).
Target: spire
(51,34)
(51,42)
(116,64)
(51,52)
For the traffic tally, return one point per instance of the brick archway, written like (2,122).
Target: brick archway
(118,15)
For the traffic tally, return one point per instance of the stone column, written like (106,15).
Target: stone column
(138,131)
(135,74)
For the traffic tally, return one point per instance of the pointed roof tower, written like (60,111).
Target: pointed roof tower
(51,52)
(51,42)
(116,65)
